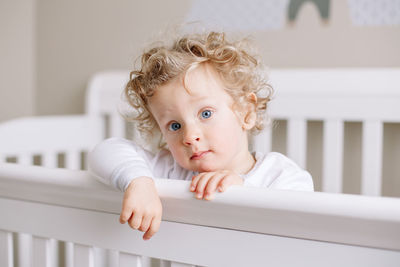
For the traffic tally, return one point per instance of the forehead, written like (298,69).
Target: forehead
(203,79)
(202,82)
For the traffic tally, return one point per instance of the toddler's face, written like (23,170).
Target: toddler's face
(199,125)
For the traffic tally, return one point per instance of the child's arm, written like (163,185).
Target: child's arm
(141,207)
(129,168)
(206,184)
(118,161)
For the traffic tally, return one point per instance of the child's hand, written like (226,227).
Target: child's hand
(206,183)
(141,207)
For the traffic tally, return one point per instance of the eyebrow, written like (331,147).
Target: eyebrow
(163,116)
(201,98)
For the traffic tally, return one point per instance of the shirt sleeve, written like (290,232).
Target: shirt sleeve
(276,171)
(117,161)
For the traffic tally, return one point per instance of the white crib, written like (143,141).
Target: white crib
(242,227)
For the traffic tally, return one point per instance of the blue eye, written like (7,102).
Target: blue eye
(206,114)
(174,126)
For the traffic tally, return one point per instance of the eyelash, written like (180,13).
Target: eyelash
(175,126)
(170,126)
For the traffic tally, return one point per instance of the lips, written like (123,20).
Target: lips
(199,155)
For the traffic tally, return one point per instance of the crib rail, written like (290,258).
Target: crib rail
(336,96)
(47,137)
(253,225)
(348,94)
(103,96)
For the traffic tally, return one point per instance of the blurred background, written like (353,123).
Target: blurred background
(50,48)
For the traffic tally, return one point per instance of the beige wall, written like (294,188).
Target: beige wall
(17,58)
(77,38)
(49,49)
(311,42)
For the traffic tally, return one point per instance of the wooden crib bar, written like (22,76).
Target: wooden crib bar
(6,249)
(49,137)
(332,156)
(49,159)
(83,256)
(370,96)
(25,159)
(129,260)
(73,160)
(24,249)
(36,134)
(43,252)
(72,206)
(69,254)
(371,172)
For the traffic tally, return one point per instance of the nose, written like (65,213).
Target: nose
(191,136)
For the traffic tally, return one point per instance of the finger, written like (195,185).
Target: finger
(212,185)
(195,180)
(154,226)
(202,184)
(135,221)
(146,221)
(126,214)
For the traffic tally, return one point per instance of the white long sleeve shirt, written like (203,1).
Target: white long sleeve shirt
(117,161)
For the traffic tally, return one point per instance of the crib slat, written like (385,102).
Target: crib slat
(332,156)
(146,261)
(54,251)
(24,249)
(296,142)
(106,258)
(117,125)
(371,171)
(129,260)
(6,249)
(72,160)
(42,252)
(49,160)
(100,257)
(69,254)
(179,264)
(262,141)
(25,159)
(83,256)
(113,256)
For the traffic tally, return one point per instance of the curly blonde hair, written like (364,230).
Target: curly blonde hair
(240,72)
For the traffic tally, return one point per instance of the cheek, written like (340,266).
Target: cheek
(227,133)
(171,142)
(175,148)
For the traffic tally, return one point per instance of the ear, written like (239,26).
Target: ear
(250,115)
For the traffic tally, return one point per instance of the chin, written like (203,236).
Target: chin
(207,169)
(201,167)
